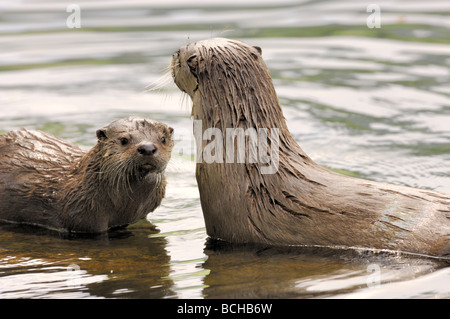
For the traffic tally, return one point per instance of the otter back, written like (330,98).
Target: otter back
(32,166)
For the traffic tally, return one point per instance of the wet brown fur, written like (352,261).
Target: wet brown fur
(48,182)
(303,203)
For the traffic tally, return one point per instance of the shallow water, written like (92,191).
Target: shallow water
(371,103)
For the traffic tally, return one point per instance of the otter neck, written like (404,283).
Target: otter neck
(239,107)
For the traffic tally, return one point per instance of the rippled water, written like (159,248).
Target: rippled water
(371,103)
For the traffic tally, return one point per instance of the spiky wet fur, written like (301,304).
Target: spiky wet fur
(302,203)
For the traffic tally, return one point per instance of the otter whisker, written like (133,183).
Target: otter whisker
(129,174)
(185,102)
(162,82)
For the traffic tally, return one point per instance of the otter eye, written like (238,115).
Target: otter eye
(123,141)
(163,140)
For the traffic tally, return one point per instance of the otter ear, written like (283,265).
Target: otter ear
(258,49)
(101,134)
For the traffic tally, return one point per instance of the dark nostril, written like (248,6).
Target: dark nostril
(147,149)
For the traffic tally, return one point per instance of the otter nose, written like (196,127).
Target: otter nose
(147,149)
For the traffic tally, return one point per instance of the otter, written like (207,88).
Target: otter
(48,182)
(302,203)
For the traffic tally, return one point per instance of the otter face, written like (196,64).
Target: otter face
(136,146)
(184,69)
(216,60)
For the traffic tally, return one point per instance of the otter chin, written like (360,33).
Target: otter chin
(301,203)
(46,181)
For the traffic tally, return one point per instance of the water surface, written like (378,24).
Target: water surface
(371,103)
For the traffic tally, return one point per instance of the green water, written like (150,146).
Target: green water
(371,103)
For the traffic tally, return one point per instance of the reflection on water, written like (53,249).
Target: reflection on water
(371,103)
(270,272)
(135,263)
(38,263)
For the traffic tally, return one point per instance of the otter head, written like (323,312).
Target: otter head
(132,148)
(193,64)
(228,75)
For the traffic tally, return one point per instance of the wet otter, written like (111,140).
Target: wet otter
(302,203)
(48,182)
